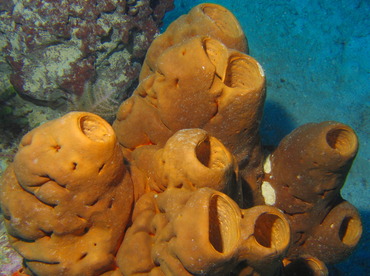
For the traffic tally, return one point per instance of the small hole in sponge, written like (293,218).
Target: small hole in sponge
(350,231)
(57,148)
(179,185)
(341,139)
(110,205)
(203,152)
(101,168)
(94,128)
(177,82)
(223,224)
(270,231)
(47,233)
(83,255)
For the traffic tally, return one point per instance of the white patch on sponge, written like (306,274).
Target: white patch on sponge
(268,193)
(260,69)
(267,164)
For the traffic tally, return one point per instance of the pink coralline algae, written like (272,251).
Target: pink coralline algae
(10,260)
(58,50)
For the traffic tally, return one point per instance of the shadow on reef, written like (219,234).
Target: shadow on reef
(359,258)
(12,125)
(8,119)
(276,124)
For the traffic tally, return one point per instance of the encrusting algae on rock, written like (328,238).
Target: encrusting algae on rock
(180,184)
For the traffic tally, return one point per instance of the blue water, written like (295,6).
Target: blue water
(316,56)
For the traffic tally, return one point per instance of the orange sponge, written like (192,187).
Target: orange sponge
(204,19)
(199,83)
(201,232)
(303,177)
(67,197)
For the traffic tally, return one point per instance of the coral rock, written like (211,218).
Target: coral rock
(56,48)
(70,173)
